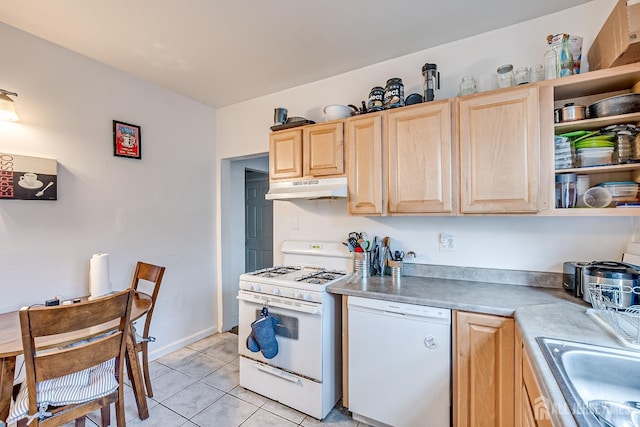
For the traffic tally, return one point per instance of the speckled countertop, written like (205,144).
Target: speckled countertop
(546,312)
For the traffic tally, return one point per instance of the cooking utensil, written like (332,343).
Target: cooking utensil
(414,98)
(615,105)
(398,255)
(41,192)
(572,112)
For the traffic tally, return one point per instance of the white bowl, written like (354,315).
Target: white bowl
(337,111)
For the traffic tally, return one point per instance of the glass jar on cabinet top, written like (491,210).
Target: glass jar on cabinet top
(506,76)
(468,86)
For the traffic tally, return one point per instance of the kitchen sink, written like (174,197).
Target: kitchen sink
(594,378)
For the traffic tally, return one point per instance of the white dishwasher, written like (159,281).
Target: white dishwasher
(399,363)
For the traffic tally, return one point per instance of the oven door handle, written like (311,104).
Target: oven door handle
(277,373)
(309,308)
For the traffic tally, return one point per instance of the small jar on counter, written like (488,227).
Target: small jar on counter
(506,77)
(566,191)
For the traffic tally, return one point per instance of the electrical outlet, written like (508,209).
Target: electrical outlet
(447,242)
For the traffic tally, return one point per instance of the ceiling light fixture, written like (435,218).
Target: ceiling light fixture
(7,106)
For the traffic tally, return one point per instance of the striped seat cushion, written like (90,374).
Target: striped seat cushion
(78,387)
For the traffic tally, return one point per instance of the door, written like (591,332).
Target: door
(298,332)
(420,159)
(258,222)
(364,154)
(483,370)
(500,152)
(285,154)
(323,149)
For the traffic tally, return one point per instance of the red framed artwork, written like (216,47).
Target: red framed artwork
(127,141)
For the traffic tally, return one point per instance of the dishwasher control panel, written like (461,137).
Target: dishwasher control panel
(443,314)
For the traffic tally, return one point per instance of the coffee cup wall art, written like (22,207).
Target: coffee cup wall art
(126,140)
(28,178)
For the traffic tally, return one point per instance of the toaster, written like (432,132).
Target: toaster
(572,277)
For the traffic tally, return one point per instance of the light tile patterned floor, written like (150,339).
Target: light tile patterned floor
(198,386)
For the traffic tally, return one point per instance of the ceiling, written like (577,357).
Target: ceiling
(224,52)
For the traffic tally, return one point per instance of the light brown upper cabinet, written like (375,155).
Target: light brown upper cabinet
(401,161)
(309,151)
(285,154)
(420,159)
(500,151)
(587,89)
(366,185)
(323,149)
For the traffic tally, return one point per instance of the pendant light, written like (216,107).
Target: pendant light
(7,106)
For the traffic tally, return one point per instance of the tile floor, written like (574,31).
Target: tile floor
(198,386)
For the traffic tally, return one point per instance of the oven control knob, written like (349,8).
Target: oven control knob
(257,288)
(298,294)
(276,291)
(307,297)
(249,287)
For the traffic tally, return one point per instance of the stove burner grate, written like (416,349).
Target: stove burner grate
(275,271)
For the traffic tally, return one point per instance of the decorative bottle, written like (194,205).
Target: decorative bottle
(565,58)
(550,61)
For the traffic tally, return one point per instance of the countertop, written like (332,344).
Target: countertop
(538,311)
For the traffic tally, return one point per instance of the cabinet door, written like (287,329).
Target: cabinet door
(323,149)
(364,160)
(531,409)
(420,159)
(285,154)
(499,152)
(483,370)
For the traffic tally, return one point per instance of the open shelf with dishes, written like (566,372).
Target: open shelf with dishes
(587,89)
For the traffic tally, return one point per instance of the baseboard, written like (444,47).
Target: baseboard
(177,345)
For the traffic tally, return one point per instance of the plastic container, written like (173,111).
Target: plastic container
(595,156)
(595,197)
(566,193)
(621,189)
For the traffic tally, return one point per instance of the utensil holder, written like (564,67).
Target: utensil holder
(362,263)
(396,269)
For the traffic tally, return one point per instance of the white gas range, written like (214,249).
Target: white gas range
(306,374)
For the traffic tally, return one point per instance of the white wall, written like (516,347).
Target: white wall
(159,209)
(232,253)
(500,242)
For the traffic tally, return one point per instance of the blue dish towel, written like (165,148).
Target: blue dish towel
(263,336)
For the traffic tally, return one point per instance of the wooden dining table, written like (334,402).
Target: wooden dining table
(11,346)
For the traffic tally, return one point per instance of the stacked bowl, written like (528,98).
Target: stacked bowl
(595,150)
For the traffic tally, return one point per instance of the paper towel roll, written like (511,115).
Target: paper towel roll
(99,276)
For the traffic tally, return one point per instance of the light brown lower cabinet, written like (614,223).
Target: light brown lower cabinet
(531,409)
(483,370)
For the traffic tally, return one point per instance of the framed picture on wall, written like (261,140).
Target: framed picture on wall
(28,178)
(127,141)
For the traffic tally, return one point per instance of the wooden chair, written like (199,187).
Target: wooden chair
(63,340)
(151,273)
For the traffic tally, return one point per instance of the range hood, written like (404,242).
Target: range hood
(329,188)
